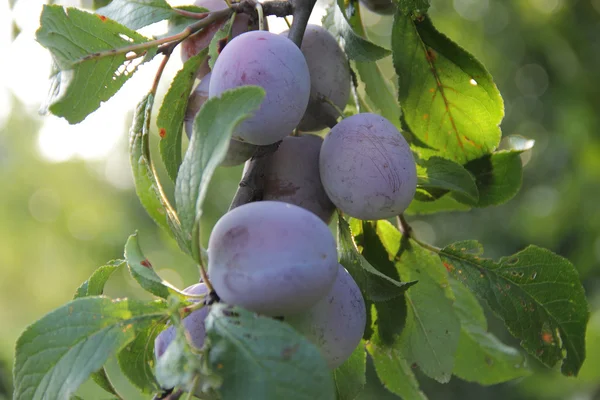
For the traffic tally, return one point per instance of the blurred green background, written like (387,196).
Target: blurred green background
(66,209)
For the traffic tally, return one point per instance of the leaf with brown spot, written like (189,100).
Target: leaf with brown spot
(535,292)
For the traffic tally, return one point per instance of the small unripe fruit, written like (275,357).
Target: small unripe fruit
(278,66)
(272,258)
(238,152)
(200,40)
(335,324)
(292,175)
(193,324)
(367,168)
(329,73)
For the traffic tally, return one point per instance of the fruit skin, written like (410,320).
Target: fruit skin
(385,7)
(292,176)
(329,73)
(272,258)
(335,324)
(193,324)
(199,41)
(367,168)
(278,66)
(238,152)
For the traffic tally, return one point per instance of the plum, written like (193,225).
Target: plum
(272,258)
(367,168)
(238,152)
(193,324)
(277,65)
(335,324)
(292,175)
(329,73)
(200,40)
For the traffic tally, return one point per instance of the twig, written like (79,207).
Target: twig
(190,14)
(302,11)
(252,184)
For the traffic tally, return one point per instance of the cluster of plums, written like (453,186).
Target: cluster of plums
(277,257)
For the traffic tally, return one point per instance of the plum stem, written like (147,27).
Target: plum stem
(261,17)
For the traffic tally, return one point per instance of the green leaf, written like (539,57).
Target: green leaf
(439,173)
(147,186)
(142,271)
(535,292)
(356,47)
(136,360)
(448,99)
(350,377)
(445,203)
(379,93)
(56,354)
(481,357)
(94,285)
(262,358)
(413,7)
(498,177)
(215,43)
(83,79)
(136,14)
(394,371)
(213,127)
(373,284)
(432,329)
(172,111)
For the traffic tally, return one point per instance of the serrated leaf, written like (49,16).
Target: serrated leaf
(441,174)
(56,354)
(136,360)
(172,111)
(208,146)
(147,186)
(390,315)
(432,329)
(215,43)
(136,14)
(373,284)
(535,292)
(142,271)
(84,80)
(356,47)
(443,204)
(448,99)
(379,93)
(350,377)
(394,371)
(94,285)
(498,177)
(481,357)
(413,7)
(262,358)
